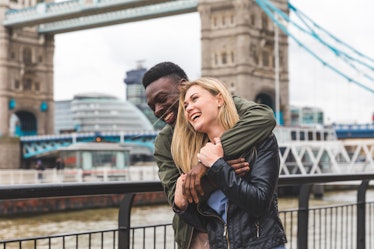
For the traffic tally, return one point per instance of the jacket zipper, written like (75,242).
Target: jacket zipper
(225,229)
(257,229)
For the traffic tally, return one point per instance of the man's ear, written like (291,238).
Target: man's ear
(182,82)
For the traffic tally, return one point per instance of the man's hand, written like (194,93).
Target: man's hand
(179,199)
(239,165)
(192,184)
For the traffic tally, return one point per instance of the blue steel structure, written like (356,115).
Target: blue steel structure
(60,17)
(38,145)
(344,131)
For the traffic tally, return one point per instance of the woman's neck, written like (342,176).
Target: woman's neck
(215,132)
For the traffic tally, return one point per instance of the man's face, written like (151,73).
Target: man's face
(162,98)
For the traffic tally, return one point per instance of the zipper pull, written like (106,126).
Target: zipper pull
(257,230)
(225,230)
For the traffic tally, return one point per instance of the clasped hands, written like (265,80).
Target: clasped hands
(189,186)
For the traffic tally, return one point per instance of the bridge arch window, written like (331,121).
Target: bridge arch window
(266,99)
(27,123)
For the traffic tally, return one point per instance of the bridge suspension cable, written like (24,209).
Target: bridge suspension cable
(355,66)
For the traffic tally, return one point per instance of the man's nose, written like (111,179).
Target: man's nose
(158,110)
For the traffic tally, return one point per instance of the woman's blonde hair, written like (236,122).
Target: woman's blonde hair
(186,141)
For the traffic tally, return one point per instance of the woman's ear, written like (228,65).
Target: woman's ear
(221,102)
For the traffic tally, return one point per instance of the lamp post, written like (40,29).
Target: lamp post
(276,71)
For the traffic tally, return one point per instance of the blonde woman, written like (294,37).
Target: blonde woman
(242,212)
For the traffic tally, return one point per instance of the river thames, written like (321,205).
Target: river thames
(107,218)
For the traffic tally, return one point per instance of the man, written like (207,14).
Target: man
(161,84)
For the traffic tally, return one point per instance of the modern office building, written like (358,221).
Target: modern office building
(92,112)
(135,93)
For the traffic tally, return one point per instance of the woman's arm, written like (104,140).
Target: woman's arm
(254,192)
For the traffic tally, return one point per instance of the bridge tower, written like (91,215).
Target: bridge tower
(26,78)
(237,44)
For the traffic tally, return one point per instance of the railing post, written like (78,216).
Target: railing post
(361,214)
(303,216)
(124,217)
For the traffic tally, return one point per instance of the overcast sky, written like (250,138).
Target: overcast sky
(96,60)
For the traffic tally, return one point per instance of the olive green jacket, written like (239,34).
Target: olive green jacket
(256,123)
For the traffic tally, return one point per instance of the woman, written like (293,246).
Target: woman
(243,212)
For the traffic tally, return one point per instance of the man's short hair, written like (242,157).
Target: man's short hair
(161,70)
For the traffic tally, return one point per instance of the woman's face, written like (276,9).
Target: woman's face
(201,109)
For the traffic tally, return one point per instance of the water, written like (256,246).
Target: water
(107,218)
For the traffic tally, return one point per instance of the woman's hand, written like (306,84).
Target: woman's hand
(210,153)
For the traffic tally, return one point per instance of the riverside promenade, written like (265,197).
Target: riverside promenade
(329,225)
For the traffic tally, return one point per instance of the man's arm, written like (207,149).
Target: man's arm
(256,123)
(167,170)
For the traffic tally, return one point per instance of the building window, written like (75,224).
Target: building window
(27,56)
(224,58)
(17,84)
(232,17)
(37,86)
(27,84)
(264,20)
(253,20)
(214,21)
(265,58)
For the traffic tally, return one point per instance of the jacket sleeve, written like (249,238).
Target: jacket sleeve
(255,191)
(192,217)
(167,170)
(256,123)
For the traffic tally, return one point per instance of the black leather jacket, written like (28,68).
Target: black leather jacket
(252,220)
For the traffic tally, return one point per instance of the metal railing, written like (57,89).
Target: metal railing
(338,226)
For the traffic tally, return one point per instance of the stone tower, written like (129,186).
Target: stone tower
(26,78)
(237,44)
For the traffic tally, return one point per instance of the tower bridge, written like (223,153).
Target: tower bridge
(238,41)
(237,51)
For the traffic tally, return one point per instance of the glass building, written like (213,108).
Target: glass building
(92,112)
(306,116)
(135,93)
